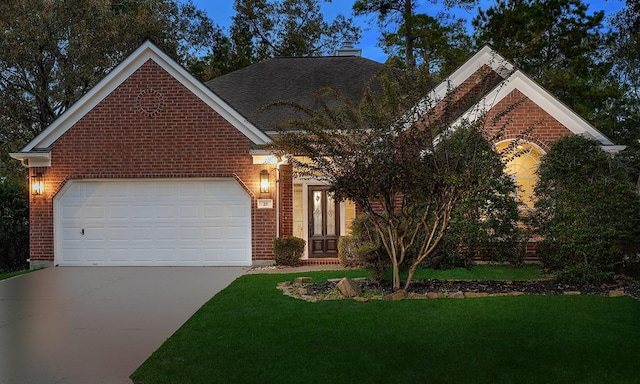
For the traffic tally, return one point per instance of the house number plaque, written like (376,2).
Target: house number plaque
(265,203)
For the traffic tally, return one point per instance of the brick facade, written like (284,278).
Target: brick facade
(526,121)
(153,127)
(150,127)
(522,118)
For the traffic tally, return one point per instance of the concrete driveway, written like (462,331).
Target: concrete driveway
(96,324)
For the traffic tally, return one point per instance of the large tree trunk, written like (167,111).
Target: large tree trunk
(408,34)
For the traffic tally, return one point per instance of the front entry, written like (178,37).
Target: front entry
(324,222)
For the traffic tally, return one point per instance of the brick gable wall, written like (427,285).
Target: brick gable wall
(526,120)
(151,126)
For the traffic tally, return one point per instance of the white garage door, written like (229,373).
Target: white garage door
(153,222)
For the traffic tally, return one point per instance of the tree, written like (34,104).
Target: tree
(587,211)
(624,50)
(53,52)
(288,28)
(14,226)
(263,29)
(438,41)
(560,45)
(394,156)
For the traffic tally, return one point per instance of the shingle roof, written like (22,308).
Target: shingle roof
(292,80)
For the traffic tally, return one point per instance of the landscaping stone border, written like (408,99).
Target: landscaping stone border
(365,290)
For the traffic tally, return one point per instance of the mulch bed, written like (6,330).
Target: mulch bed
(535,287)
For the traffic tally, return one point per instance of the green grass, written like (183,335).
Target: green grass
(481,272)
(251,333)
(4,276)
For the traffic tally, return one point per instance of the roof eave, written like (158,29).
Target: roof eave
(33,159)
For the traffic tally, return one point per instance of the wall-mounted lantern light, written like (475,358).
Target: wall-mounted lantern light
(37,184)
(264,181)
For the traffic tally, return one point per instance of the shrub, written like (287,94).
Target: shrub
(347,251)
(288,250)
(369,252)
(482,229)
(14,226)
(586,211)
(582,274)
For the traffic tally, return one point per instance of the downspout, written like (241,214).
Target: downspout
(278,164)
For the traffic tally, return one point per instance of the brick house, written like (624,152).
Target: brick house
(152,167)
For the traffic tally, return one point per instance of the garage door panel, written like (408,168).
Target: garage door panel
(94,234)
(149,222)
(141,212)
(74,255)
(236,233)
(213,255)
(165,211)
(190,212)
(141,254)
(120,233)
(118,212)
(235,254)
(72,234)
(238,211)
(190,233)
(71,212)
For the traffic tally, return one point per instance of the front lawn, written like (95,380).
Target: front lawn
(251,333)
(8,275)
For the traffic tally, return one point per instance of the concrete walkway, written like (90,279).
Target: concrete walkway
(97,324)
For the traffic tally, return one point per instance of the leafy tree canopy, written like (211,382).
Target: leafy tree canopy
(263,29)
(438,41)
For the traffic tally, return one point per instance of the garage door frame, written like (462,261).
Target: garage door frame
(57,219)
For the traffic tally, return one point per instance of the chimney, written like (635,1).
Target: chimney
(347,49)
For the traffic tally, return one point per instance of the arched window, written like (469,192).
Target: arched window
(522,160)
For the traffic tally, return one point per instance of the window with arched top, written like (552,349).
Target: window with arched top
(522,161)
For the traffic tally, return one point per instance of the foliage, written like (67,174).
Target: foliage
(484,225)
(346,252)
(263,29)
(53,52)
(394,155)
(623,52)
(587,211)
(368,250)
(288,250)
(438,42)
(14,226)
(581,274)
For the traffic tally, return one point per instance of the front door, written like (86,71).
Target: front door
(324,222)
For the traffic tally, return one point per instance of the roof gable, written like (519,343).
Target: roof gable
(513,79)
(147,51)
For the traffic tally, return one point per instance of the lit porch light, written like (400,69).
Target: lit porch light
(264,181)
(37,184)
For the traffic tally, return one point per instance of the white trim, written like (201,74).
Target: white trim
(613,149)
(485,56)
(543,99)
(33,159)
(147,51)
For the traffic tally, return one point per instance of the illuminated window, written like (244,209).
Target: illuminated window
(522,164)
